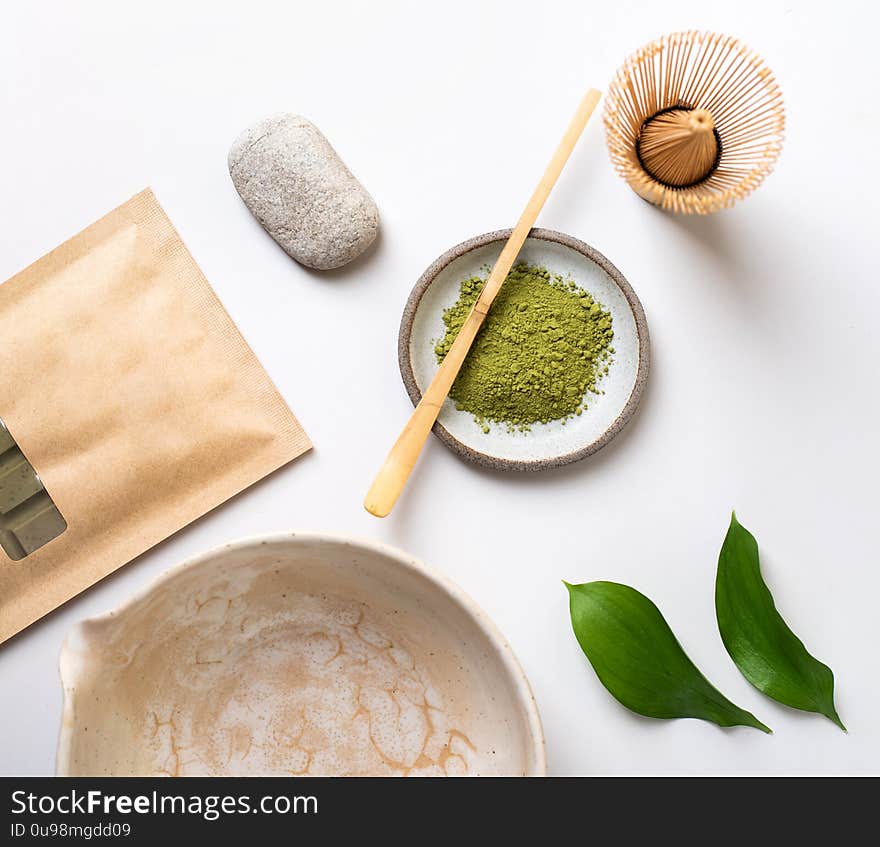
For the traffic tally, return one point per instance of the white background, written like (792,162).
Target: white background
(763,394)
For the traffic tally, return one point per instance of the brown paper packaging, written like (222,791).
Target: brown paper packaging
(128,388)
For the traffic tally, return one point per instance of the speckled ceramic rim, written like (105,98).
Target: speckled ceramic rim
(409,380)
(503,651)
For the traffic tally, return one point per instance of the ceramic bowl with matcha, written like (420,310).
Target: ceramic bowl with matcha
(559,366)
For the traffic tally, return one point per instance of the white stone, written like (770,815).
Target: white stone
(302,193)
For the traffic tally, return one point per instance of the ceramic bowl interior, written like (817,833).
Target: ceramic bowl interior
(546,445)
(298,654)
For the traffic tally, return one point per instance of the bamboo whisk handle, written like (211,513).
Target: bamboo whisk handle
(678,147)
(701,120)
(394,473)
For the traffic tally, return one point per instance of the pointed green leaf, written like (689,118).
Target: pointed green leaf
(767,652)
(638,659)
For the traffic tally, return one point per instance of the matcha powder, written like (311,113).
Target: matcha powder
(545,345)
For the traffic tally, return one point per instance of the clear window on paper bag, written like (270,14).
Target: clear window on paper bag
(28,517)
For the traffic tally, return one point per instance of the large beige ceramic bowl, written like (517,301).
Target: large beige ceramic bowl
(296,654)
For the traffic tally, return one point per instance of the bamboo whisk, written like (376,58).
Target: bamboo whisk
(694,121)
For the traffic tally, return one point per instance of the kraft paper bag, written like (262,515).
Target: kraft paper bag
(131,405)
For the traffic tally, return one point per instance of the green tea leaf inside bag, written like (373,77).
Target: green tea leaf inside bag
(759,641)
(638,659)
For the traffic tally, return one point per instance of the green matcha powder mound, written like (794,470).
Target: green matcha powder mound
(545,345)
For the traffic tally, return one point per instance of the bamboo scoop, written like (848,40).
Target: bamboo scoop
(392,476)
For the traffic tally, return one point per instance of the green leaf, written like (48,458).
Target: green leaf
(638,659)
(767,652)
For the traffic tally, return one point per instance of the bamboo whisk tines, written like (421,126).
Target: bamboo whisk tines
(694,121)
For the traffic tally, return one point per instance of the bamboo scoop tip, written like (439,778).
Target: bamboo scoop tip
(388,484)
(376,509)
